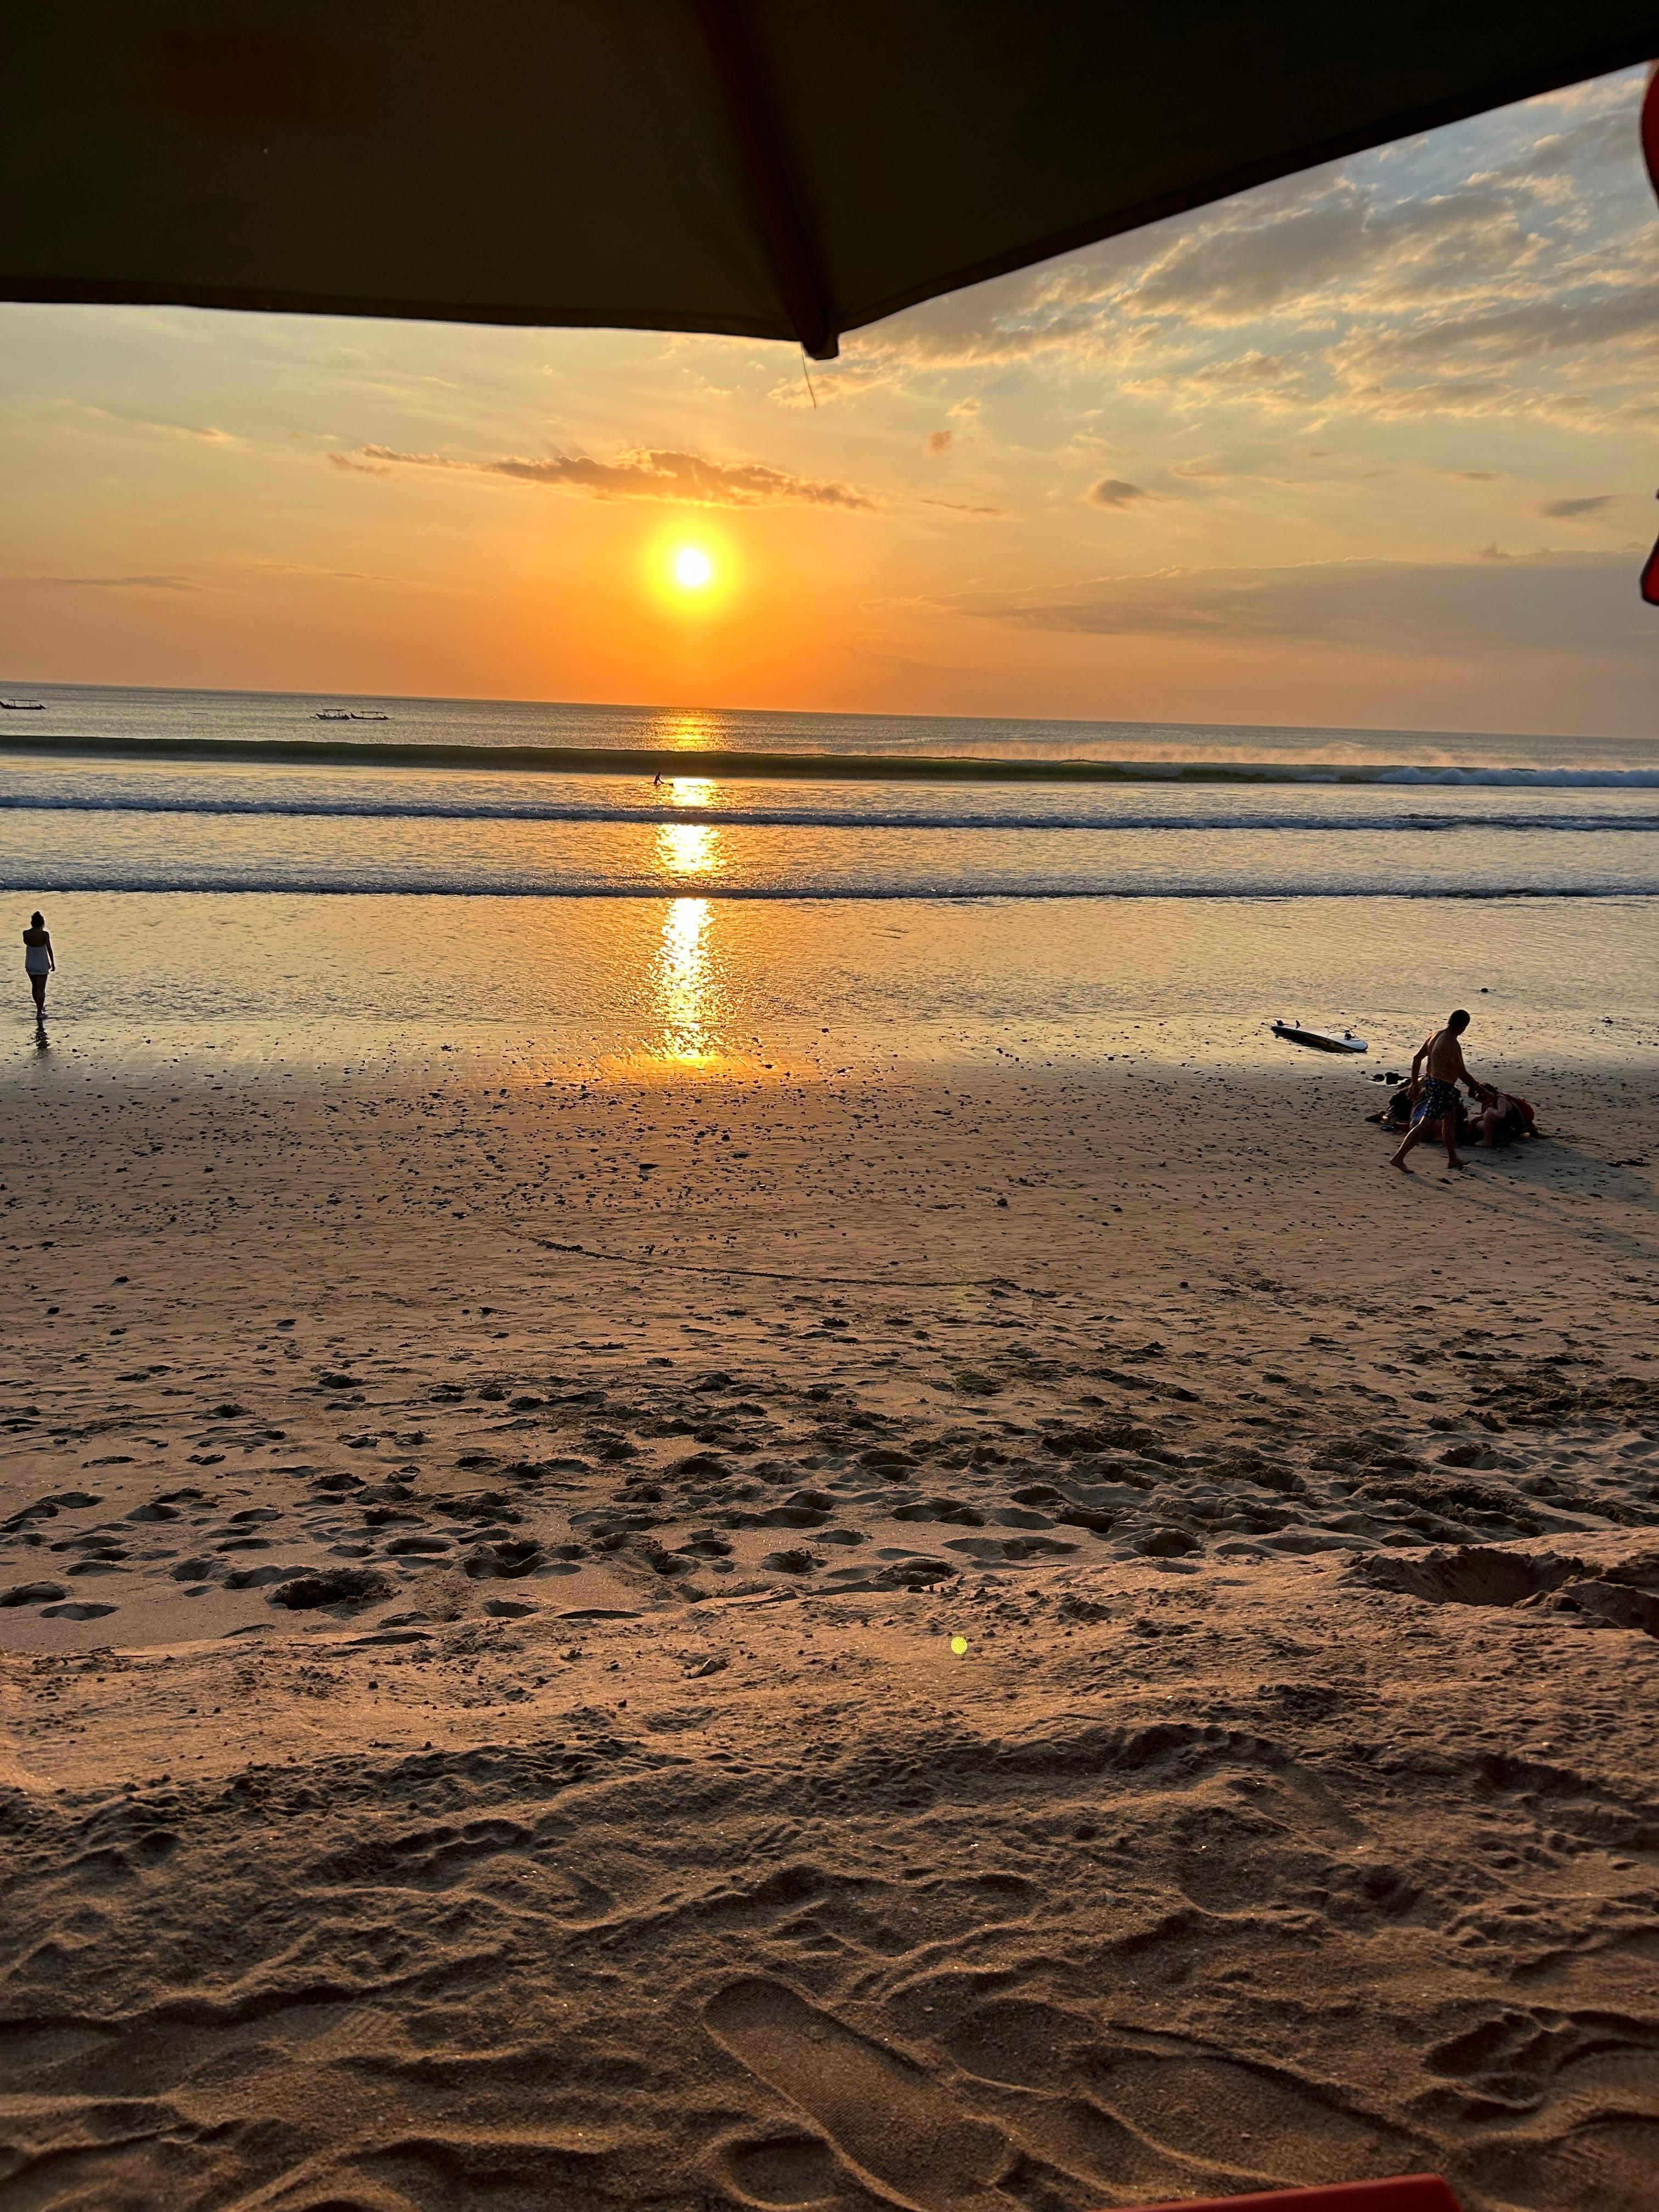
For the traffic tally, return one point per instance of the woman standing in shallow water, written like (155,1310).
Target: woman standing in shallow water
(38,962)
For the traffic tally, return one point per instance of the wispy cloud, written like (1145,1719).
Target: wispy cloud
(645,472)
(1562,602)
(962,507)
(129,419)
(308,572)
(1512,333)
(1202,468)
(1569,510)
(1113,491)
(1602,137)
(137,583)
(1346,246)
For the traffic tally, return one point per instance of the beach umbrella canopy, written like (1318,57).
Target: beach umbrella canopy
(766,168)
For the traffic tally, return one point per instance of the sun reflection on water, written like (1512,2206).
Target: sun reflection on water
(684,982)
(687,732)
(686,849)
(689,848)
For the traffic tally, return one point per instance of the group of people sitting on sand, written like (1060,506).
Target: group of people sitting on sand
(1429,1106)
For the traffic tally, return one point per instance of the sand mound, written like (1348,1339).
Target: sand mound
(1624,1593)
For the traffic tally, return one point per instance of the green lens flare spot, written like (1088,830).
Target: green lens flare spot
(959,1645)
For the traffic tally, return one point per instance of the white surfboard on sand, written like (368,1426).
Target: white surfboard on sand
(1320,1040)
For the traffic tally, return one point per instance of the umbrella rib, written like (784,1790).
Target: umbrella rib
(754,126)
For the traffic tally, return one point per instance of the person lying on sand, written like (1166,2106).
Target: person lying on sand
(1502,1118)
(1489,1107)
(1436,1094)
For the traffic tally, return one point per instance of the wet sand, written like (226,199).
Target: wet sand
(479,1581)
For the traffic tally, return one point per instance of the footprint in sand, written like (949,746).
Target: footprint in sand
(1522,2060)
(1170,2118)
(783,2171)
(900,2133)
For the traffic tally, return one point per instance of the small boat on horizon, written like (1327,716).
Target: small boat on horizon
(24,706)
(351,714)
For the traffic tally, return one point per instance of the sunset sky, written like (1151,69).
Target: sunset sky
(1374,446)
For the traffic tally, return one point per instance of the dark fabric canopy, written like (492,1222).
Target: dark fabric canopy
(770,168)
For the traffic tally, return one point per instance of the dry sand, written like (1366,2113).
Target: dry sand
(480,1722)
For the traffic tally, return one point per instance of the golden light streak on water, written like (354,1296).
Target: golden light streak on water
(687,732)
(683,983)
(687,848)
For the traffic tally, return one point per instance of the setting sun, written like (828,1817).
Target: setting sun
(693,569)
(691,578)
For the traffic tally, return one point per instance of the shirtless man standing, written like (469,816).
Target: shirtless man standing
(1436,1103)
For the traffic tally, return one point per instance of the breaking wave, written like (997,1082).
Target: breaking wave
(745,766)
(349,809)
(394,884)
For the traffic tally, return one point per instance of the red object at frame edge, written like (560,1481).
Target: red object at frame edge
(1650,154)
(1413,2192)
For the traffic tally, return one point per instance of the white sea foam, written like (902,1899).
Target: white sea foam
(731,769)
(1516,779)
(391,883)
(347,808)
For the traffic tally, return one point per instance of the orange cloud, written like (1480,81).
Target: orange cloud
(644,473)
(1112,491)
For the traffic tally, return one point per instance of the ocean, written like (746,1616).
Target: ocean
(1171,812)
(254,867)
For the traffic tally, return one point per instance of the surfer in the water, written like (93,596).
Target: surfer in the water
(1436,1093)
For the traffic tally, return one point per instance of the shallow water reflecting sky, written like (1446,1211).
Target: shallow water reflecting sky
(765,987)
